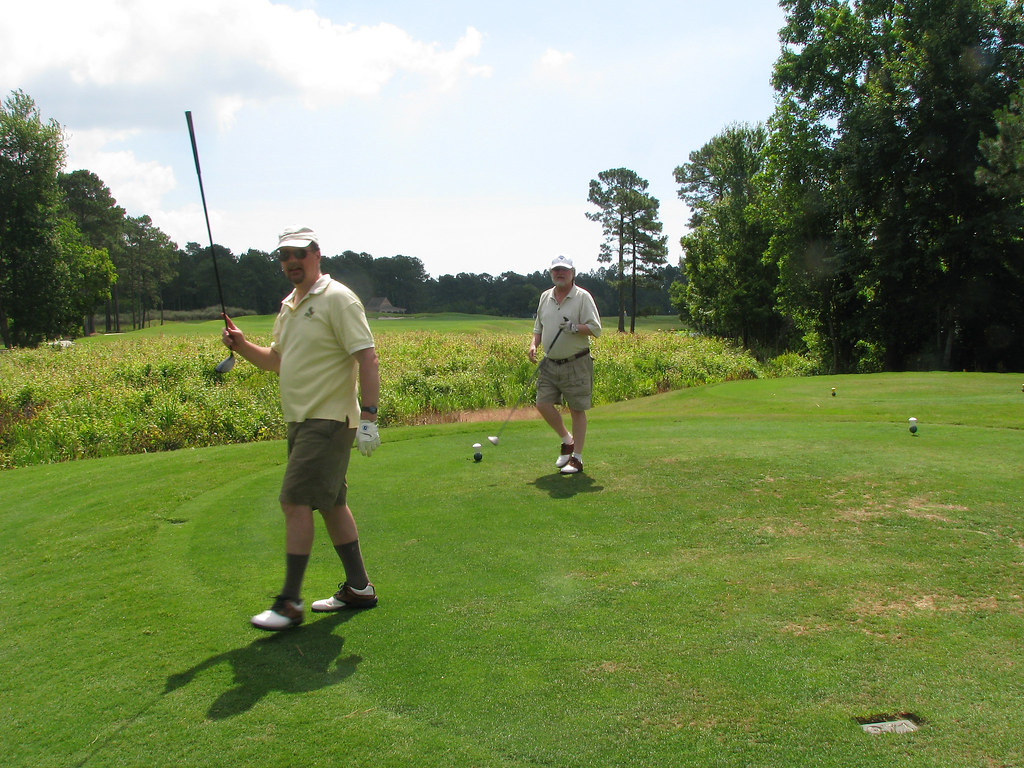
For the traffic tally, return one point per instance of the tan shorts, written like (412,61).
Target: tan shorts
(318,454)
(572,382)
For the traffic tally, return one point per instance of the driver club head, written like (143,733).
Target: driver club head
(226,364)
(493,439)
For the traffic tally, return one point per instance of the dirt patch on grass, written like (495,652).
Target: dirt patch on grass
(783,529)
(801,630)
(927,604)
(919,508)
(922,508)
(474,417)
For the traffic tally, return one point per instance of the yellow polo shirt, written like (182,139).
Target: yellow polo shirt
(316,339)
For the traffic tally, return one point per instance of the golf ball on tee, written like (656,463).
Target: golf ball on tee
(913,425)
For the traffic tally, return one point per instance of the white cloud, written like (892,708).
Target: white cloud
(499,159)
(234,50)
(138,185)
(554,66)
(553,60)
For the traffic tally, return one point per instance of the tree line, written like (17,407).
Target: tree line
(875,221)
(877,218)
(73,262)
(253,282)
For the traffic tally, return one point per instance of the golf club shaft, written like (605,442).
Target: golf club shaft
(209,233)
(522,395)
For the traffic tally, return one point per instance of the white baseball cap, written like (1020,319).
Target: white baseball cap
(563,262)
(297,237)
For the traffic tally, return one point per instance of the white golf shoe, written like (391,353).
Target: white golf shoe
(282,614)
(565,455)
(573,466)
(347,598)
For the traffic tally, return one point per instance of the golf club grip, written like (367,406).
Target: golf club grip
(206,215)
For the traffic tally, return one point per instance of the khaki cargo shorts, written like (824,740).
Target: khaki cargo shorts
(571,382)
(318,454)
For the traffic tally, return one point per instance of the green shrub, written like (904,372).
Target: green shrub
(135,394)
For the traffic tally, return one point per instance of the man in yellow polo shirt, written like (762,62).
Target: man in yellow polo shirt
(322,348)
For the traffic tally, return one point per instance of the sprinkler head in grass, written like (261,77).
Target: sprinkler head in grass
(913,425)
(493,439)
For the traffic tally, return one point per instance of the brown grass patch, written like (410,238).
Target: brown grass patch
(474,417)
(926,604)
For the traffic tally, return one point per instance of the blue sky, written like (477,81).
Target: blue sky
(464,134)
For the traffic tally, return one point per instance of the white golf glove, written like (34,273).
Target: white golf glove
(367,437)
(569,327)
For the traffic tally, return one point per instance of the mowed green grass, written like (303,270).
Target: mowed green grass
(744,570)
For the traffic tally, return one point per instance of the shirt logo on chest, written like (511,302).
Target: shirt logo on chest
(308,314)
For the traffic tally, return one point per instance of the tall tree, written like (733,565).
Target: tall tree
(810,242)
(905,89)
(31,278)
(730,288)
(89,271)
(149,264)
(632,232)
(100,220)
(1002,324)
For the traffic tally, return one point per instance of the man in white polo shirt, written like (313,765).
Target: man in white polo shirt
(566,317)
(322,348)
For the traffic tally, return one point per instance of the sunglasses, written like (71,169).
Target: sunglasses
(283,254)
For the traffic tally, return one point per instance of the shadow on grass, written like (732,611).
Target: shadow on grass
(559,486)
(298,660)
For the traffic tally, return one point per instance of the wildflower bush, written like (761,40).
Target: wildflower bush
(105,397)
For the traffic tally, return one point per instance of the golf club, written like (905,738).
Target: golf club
(229,362)
(493,439)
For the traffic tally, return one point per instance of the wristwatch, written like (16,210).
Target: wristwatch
(370,409)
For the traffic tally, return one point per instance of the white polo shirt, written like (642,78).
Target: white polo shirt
(316,339)
(580,308)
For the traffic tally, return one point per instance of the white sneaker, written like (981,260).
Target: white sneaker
(565,455)
(282,614)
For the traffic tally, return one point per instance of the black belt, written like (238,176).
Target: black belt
(577,356)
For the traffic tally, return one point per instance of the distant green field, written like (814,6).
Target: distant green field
(745,574)
(450,322)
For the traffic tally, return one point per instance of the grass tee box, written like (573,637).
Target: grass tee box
(746,574)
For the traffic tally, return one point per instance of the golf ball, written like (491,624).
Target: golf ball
(913,425)
(477,456)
